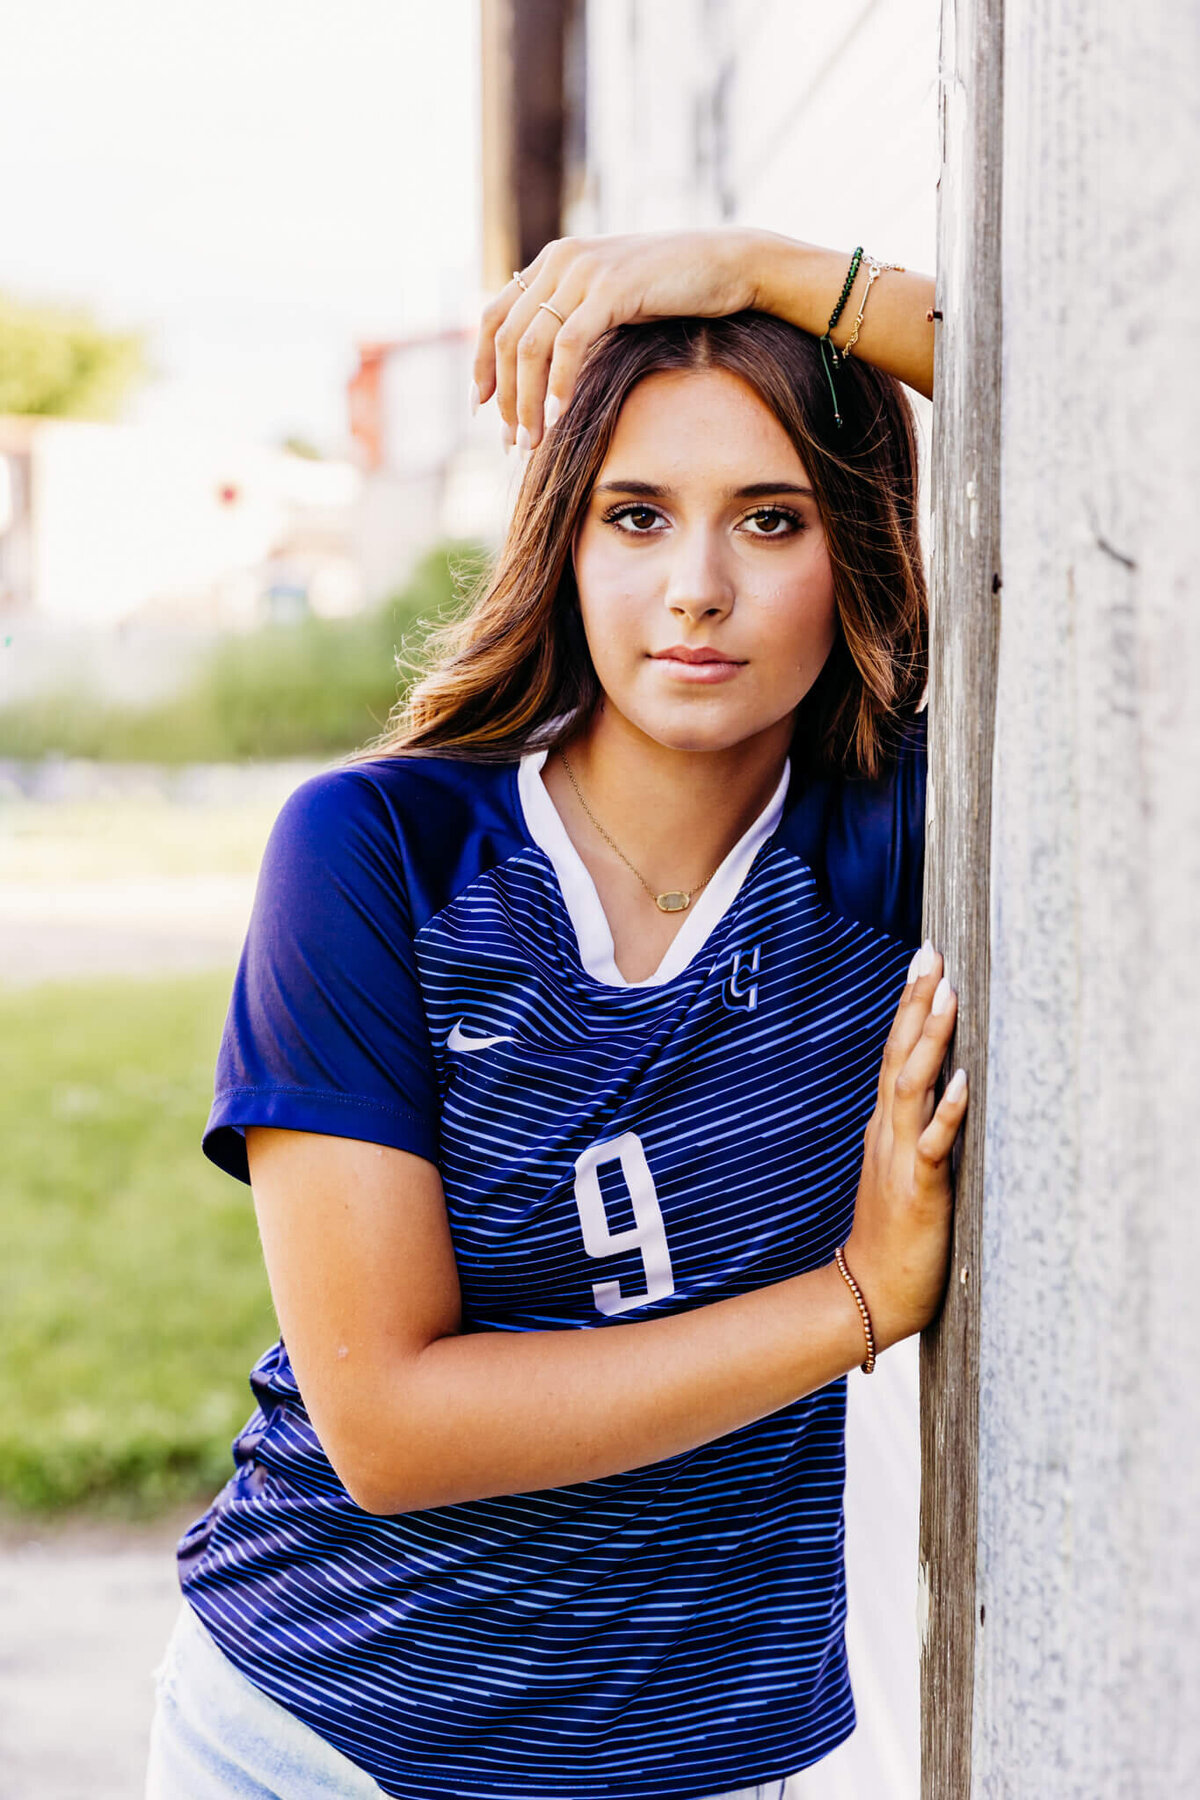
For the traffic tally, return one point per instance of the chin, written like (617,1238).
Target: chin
(702,735)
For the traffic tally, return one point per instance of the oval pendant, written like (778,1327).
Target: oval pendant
(674,900)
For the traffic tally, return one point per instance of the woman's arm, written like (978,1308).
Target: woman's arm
(530,361)
(413,1413)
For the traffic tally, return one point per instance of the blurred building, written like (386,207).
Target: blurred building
(635,115)
(104,525)
(126,549)
(429,471)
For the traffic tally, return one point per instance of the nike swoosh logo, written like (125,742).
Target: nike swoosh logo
(458,1040)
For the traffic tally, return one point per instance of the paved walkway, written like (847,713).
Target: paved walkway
(84,1618)
(159,925)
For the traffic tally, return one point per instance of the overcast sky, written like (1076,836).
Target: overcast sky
(255,183)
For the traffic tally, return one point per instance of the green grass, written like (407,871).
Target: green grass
(315,688)
(133,1298)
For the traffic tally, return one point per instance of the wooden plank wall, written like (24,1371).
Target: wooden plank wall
(965,605)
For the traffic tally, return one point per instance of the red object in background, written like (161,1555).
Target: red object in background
(364,390)
(228,494)
(366,403)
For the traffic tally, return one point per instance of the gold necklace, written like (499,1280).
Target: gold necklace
(674,899)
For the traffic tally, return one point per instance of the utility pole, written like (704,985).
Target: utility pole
(522,47)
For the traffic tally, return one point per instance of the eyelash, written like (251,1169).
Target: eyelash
(616,513)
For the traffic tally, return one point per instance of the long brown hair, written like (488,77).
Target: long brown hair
(515,671)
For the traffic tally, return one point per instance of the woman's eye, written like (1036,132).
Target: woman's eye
(634,520)
(774,521)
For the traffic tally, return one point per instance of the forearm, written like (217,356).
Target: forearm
(801,282)
(498,1413)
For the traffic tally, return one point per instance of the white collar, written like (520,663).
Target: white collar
(582,901)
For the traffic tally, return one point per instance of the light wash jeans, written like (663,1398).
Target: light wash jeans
(216,1736)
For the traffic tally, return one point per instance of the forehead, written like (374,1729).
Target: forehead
(700,425)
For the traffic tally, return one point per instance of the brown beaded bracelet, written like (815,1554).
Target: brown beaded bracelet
(861,1304)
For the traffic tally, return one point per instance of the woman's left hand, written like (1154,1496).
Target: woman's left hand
(530,360)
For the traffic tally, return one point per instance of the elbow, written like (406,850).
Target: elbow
(387,1451)
(371,1479)
(377,1498)
(386,1498)
(389,1474)
(364,1481)
(377,1485)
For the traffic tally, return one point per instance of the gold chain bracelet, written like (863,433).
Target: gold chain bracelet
(874,271)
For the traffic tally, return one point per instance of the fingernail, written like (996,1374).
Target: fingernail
(474,398)
(524,441)
(957,1087)
(941,996)
(913,968)
(926,957)
(552,411)
(506,434)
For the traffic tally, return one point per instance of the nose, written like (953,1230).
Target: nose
(699,584)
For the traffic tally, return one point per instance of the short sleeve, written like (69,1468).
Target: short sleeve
(903,888)
(325,1030)
(864,839)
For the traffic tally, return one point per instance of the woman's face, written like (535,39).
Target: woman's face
(703,573)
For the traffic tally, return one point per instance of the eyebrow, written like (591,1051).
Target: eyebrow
(756,490)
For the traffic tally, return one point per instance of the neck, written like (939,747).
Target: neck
(675,813)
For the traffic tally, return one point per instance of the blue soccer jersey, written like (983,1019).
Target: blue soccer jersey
(428,966)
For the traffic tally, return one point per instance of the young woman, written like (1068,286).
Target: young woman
(585,1163)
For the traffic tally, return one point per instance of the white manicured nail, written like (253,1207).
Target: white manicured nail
(474,398)
(913,970)
(552,411)
(956,1088)
(506,434)
(524,441)
(941,996)
(926,957)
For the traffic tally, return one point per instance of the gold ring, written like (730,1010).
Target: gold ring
(524,286)
(545,306)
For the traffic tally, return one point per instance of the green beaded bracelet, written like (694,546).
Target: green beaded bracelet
(829,352)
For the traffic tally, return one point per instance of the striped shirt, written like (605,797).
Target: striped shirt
(428,966)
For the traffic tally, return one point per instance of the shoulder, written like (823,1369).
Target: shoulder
(397,790)
(426,824)
(864,839)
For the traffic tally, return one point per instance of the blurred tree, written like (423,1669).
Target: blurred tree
(62,364)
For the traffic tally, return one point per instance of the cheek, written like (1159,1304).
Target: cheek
(614,590)
(799,616)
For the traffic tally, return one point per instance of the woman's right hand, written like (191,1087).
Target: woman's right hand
(900,1243)
(535,333)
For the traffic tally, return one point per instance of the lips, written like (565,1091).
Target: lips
(703,654)
(697,665)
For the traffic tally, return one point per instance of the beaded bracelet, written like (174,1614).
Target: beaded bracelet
(875,269)
(840,1260)
(829,351)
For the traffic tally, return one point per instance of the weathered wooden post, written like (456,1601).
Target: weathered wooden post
(965,608)
(1066,1663)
